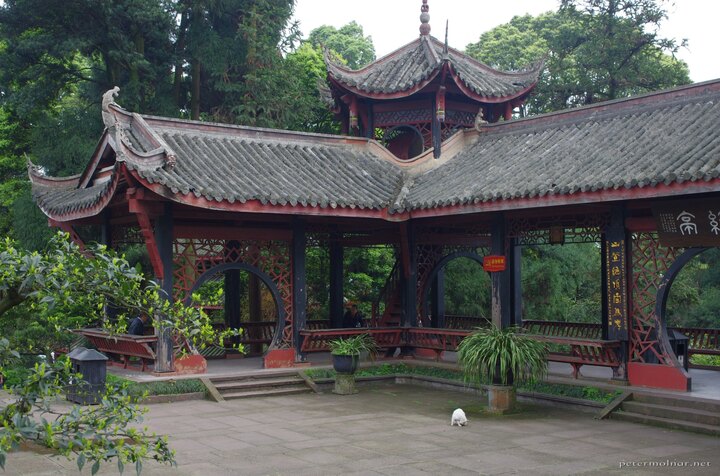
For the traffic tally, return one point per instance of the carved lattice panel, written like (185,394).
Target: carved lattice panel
(650,261)
(123,236)
(193,257)
(398,118)
(585,228)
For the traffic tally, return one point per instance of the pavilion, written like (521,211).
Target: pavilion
(433,163)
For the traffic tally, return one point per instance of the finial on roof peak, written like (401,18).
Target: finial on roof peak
(424,19)
(445,48)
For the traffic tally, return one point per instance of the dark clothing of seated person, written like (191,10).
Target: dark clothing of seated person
(353,317)
(137,326)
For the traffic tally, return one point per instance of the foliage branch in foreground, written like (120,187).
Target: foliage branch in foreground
(66,277)
(93,435)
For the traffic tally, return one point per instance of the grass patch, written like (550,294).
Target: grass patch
(390,369)
(574,391)
(702,359)
(163,387)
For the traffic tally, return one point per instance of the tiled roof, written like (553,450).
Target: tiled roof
(419,61)
(662,138)
(609,147)
(234,164)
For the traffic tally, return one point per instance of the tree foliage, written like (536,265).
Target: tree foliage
(594,50)
(348,42)
(67,286)
(92,435)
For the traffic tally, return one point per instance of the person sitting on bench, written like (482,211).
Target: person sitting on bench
(137,326)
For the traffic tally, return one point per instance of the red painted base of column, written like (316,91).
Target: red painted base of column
(428,354)
(658,376)
(191,364)
(279,358)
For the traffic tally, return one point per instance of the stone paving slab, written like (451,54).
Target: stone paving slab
(390,429)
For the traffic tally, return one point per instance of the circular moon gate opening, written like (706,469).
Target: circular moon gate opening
(239,296)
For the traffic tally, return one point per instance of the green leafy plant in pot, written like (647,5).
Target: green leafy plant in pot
(502,357)
(346,354)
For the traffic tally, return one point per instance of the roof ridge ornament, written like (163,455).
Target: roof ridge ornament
(108,98)
(424,19)
(445,47)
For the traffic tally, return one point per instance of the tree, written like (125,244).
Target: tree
(594,50)
(65,287)
(95,434)
(348,42)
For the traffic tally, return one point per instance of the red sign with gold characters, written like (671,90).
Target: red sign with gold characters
(494,263)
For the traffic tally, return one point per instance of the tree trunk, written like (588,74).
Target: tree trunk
(195,95)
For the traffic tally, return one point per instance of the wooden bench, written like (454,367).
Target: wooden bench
(439,340)
(122,347)
(583,352)
(582,330)
(318,340)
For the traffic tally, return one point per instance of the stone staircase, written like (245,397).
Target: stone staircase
(260,385)
(699,416)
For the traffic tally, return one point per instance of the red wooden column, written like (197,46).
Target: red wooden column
(500,280)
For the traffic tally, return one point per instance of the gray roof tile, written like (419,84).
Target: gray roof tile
(661,138)
(421,59)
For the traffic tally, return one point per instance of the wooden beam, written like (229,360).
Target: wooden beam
(231,232)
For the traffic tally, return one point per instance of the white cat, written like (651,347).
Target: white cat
(458,417)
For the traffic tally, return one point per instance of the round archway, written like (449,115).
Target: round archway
(405,142)
(220,287)
(465,291)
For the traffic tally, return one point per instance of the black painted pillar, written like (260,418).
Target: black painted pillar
(299,284)
(409,279)
(106,230)
(164,361)
(615,283)
(436,132)
(437,299)
(515,267)
(501,282)
(336,281)
(370,126)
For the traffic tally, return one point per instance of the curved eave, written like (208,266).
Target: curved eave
(487,99)
(71,212)
(377,95)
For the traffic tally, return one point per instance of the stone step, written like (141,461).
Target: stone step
(666,423)
(673,412)
(255,377)
(684,402)
(257,383)
(267,392)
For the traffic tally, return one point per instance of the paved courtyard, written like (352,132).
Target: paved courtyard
(398,430)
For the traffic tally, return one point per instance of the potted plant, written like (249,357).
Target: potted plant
(345,355)
(502,357)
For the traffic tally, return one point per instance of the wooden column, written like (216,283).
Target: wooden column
(106,230)
(336,281)
(436,132)
(299,285)
(438,300)
(165,360)
(408,276)
(501,292)
(616,285)
(515,266)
